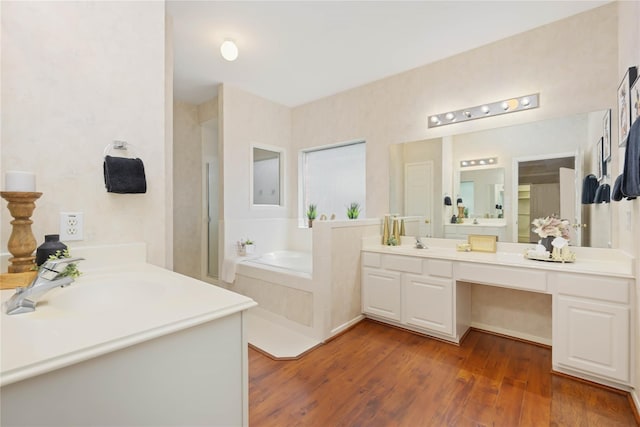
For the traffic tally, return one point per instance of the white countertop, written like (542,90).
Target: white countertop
(104,311)
(605,262)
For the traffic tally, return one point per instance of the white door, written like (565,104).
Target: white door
(418,193)
(568,207)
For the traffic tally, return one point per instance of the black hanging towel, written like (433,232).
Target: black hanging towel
(631,172)
(124,175)
(589,187)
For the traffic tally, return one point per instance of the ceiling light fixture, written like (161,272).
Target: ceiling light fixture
(229,50)
(504,106)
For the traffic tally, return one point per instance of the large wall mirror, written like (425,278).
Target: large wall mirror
(267,170)
(539,155)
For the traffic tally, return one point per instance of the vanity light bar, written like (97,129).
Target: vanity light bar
(479,162)
(511,105)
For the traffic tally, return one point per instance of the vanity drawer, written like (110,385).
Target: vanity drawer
(439,268)
(600,288)
(405,264)
(371,259)
(508,277)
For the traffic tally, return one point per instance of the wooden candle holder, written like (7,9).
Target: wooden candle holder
(22,243)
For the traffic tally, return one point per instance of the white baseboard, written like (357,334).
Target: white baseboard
(345,326)
(636,400)
(512,333)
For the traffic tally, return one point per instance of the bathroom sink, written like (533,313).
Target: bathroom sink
(406,249)
(107,292)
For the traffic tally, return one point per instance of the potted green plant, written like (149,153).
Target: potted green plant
(312,212)
(246,247)
(353,210)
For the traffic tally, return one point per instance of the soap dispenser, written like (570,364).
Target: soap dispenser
(51,245)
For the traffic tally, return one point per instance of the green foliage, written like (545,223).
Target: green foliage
(353,210)
(312,212)
(70,270)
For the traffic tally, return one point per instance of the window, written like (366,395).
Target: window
(333,178)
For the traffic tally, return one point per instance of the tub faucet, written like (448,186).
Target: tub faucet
(49,277)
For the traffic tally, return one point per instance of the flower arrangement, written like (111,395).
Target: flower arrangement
(551,226)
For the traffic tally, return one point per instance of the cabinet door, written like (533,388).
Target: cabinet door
(381,293)
(428,303)
(592,337)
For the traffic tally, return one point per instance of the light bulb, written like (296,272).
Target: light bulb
(229,50)
(485,109)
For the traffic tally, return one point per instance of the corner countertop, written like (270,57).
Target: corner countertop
(103,311)
(603,262)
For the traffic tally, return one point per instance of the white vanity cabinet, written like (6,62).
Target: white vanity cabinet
(592,326)
(412,292)
(428,303)
(381,293)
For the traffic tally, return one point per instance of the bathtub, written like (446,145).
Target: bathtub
(291,261)
(281,282)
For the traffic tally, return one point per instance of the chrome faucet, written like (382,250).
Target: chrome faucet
(49,277)
(419,244)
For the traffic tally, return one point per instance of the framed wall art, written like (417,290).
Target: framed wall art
(635,101)
(606,136)
(624,105)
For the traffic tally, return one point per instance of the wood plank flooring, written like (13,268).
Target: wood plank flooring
(375,375)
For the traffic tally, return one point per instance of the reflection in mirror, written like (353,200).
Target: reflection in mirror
(572,136)
(546,187)
(267,168)
(415,169)
(482,192)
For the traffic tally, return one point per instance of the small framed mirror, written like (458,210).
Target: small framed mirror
(267,181)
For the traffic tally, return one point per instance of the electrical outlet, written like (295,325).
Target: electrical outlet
(71,226)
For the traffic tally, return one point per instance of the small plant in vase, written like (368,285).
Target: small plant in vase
(246,247)
(353,210)
(312,213)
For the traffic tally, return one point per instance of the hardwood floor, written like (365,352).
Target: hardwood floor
(375,375)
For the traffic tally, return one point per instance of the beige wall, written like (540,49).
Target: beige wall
(193,146)
(187,196)
(571,63)
(629,212)
(245,120)
(75,77)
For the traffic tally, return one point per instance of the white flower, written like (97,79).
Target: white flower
(551,226)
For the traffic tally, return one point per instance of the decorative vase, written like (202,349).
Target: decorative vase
(249,249)
(51,245)
(385,230)
(310,222)
(547,243)
(396,230)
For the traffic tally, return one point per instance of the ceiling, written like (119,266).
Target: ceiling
(294,52)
